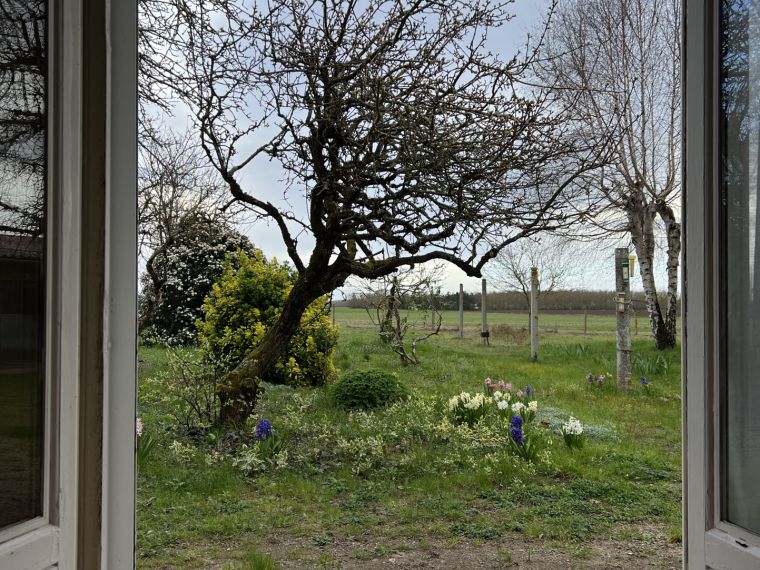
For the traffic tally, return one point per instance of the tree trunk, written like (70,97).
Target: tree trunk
(239,389)
(151,302)
(641,218)
(673,235)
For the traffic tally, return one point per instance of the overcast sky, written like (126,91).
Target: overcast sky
(265,177)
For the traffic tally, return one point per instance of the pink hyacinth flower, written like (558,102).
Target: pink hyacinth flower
(519,393)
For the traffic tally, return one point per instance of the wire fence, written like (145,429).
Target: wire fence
(510,323)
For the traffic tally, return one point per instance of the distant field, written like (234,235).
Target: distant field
(566,322)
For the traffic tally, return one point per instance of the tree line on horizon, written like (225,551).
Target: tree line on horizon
(559,300)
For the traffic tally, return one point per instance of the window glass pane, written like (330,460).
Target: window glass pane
(740,172)
(23,92)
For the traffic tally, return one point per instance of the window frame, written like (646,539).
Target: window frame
(709,541)
(35,542)
(91,293)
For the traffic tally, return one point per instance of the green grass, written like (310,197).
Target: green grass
(624,484)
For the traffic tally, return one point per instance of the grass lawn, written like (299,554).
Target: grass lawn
(404,486)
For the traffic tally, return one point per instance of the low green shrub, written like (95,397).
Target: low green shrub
(367,389)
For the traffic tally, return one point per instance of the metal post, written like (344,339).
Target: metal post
(484,334)
(623,303)
(461,310)
(534,313)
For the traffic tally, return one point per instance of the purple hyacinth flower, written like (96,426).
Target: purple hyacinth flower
(644,380)
(515,430)
(263,429)
(590,378)
(529,390)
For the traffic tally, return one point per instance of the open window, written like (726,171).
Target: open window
(722,284)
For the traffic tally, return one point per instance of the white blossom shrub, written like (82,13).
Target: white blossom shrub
(187,270)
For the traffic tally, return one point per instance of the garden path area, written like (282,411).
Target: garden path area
(406,487)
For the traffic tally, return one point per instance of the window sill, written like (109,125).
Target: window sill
(723,552)
(35,550)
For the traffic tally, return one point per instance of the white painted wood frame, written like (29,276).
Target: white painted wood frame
(709,541)
(56,539)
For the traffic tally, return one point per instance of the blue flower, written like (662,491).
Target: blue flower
(263,429)
(644,380)
(529,390)
(515,430)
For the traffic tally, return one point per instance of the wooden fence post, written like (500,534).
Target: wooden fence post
(461,310)
(534,313)
(484,334)
(623,304)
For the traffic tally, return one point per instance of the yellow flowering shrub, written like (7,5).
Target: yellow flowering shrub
(242,307)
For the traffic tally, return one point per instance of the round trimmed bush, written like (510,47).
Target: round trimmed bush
(367,389)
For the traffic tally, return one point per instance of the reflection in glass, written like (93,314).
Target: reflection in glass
(23,92)
(740,173)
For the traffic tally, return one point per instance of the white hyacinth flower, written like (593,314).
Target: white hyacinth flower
(573,426)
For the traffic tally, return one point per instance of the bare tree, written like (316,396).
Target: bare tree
(402,139)
(414,290)
(622,60)
(555,257)
(159,23)
(178,195)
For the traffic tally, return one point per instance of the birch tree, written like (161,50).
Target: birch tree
(621,59)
